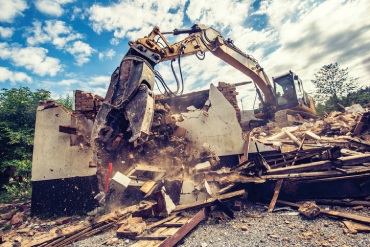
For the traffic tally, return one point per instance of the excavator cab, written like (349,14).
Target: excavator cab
(289,91)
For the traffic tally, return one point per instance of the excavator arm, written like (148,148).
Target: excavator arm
(202,39)
(128,108)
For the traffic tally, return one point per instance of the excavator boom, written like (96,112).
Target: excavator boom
(128,108)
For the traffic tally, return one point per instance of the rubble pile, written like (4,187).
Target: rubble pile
(157,191)
(322,152)
(325,155)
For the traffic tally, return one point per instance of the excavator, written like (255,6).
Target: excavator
(128,108)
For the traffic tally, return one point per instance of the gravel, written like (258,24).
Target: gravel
(253,226)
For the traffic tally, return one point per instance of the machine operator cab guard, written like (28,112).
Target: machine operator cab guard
(289,91)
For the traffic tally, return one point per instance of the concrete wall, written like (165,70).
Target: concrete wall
(220,129)
(53,155)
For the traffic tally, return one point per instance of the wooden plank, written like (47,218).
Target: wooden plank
(52,235)
(342,202)
(354,227)
(152,237)
(316,175)
(225,189)
(185,229)
(147,186)
(310,135)
(161,221)
(73,237)
(55,242)
(146,243)
(293,138)
(172,224)
(246,146)
(209,201)
(350,160)
(359,218)
(275,196)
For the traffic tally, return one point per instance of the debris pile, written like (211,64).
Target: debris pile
(148,188)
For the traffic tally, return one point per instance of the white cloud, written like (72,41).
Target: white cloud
(56,32)
(93,84)
(81,51)
(77,12)
(319,36)
(6,32)
(11,8)
(13,77)
(31,58)
(62,35)
(219,14)
(107,54)
(51,7)
(68,82)
(114,41)
(134,19)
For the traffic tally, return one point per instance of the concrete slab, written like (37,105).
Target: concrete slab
(219,128)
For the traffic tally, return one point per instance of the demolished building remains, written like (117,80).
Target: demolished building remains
(197,159)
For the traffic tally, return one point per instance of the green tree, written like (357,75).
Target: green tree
(65,101)
(333,85)
(362,97)
(17,125)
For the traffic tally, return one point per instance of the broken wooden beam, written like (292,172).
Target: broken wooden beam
(359,218)
(161,221)
(275,196)
(209,201)
(185,229)
(320,165)
(293,138)
(354,227)
(316,175)
(347,203)
(309,135)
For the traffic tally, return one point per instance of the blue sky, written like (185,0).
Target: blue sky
(63,45)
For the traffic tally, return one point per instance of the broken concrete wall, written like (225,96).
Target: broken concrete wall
(61,177)
(218,127)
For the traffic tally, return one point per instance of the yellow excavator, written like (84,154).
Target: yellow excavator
(128,108)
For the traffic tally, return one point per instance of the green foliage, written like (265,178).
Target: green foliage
(19,189)
(17,124)
(5,198)
(65,101)
(332,86)
(361,97)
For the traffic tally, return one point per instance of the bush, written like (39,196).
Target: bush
(19,189)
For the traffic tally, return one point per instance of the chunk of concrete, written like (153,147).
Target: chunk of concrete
(354,108)
(193,197)
(119,182)
(220,129)
(205,166)
(187,187)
